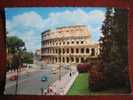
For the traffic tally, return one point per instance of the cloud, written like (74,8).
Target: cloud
(29,25)
(27,19)
(78,16)
(93,20)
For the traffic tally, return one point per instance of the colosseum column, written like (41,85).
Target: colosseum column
(57,59)
(52,60)
(74,50)
(74,59)
(53,50)
(79,59)
(95,52)
(61,59)
(90,51)
(49,59)
(65,59)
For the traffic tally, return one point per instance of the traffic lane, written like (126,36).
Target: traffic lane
(22,77)
(33,85)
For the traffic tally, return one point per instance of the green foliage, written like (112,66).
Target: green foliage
(17,54)
(14,44)
(114,55)
(28,57)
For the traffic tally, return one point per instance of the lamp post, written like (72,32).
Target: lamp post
(70,62)
(59,52)
(18,63)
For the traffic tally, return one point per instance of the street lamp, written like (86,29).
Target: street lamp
(18,63)
(59,53)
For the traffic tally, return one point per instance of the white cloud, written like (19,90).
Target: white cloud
(29,25)
(27,19)
(93,18)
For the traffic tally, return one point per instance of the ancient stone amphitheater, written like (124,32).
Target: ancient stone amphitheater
(70,44)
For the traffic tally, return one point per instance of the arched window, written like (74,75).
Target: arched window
(77,60)
(77,50)
(60,43)
(82,42)
(56,50)
(63,59)
(67,59)
(56,59)
(92,51)
(77,42)
(63,51)
(72,42)
(72,51)
(67,42)
(53,50)
(56,43)
(82,59)
(67,50)
(72,59)
(87,50)
(82,50)
(59,59)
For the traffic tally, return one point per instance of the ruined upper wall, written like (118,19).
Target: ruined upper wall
(68,31)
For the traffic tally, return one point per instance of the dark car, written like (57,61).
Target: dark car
(44,78)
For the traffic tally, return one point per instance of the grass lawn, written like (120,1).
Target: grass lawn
(80,85)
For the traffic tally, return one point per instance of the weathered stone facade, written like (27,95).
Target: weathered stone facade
(70,44)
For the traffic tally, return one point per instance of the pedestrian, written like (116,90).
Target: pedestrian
(70,74)
(42,91)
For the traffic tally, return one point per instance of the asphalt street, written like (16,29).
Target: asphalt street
(31,84)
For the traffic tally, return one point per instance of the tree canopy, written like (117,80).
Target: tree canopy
(17,54)
(114,47)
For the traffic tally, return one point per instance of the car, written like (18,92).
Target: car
(44,78)
(13,78)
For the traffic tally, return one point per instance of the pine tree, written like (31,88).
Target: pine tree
(105,41)
(114,55)
(119,50)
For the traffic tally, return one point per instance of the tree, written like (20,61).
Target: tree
(105,41)
(119,48)
(114,55)
(15,47)
(28,57)
(14,44)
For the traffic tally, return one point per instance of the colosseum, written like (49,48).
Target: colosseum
(68,45)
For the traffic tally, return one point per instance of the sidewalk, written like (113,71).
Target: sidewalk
(61,87)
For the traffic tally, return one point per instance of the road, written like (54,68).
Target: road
(31,84)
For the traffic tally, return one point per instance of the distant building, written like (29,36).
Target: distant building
(37,55)
(70,44)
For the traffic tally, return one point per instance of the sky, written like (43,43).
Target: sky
(29,23)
